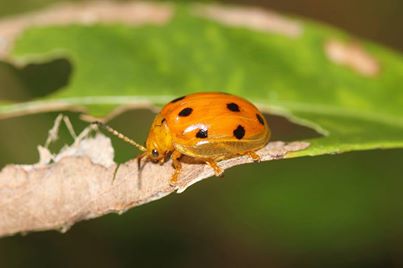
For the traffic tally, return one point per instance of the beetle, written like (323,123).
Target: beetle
(207,127)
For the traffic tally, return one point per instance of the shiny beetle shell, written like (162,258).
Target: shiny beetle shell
(209,127)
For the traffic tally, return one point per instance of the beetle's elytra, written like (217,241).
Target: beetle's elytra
(208,127)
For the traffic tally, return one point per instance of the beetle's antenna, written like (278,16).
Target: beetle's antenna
(120,135)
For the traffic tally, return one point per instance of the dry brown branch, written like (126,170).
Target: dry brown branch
(79,184)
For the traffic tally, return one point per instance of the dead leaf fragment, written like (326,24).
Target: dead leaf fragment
(352,55)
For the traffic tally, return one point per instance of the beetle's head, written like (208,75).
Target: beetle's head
(159,141)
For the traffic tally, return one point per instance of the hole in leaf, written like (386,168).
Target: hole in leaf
(285,130)
(33,80)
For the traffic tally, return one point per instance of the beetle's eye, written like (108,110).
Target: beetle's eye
(154,153)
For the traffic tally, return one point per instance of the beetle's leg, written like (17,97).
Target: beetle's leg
(213,164)
(115,172)
(177,165)
(139,158)
(254,156)
(140,167)
(251,154)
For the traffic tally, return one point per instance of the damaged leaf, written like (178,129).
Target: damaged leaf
(286,66)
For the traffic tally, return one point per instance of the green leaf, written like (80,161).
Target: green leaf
(116,64)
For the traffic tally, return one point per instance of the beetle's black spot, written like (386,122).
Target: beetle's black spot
(186,112)
(239,132)
(260,119)
(177,99)
(233,107)
(163,120)
(202,133)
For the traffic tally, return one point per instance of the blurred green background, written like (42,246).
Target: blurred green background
(330,211)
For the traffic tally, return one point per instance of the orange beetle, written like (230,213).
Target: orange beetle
(208,127)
